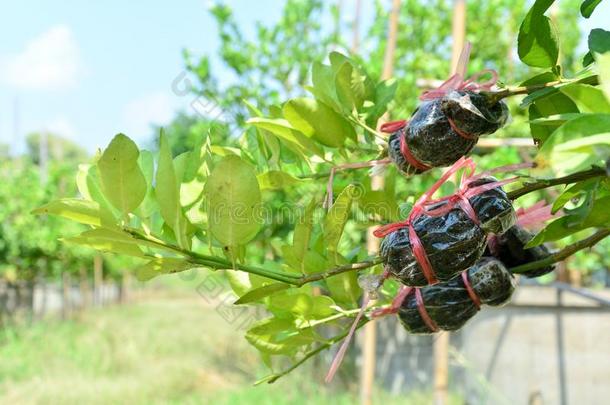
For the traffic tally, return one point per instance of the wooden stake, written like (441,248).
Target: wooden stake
(441,368)
(458,32)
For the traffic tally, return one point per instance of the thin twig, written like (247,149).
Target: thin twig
(563,253)
(540,184)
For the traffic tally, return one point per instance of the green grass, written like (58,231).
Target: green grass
(161,350)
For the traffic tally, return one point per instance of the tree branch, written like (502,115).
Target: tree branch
(562,254)
(540,184)
(517,90)
(219,263)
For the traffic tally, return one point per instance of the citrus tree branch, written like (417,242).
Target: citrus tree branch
(563,253)
(517,90)
(219,263)
(540,184)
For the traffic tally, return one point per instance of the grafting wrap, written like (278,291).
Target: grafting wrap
(426,205)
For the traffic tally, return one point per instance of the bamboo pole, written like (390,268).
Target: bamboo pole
(377,183)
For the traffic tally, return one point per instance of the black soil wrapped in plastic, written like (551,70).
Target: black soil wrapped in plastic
(450,306)
(433,141)
(510,249)
(452,242)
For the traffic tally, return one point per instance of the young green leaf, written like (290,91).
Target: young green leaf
(603,63)
(261,292)
(122,180)
(162,266)
(537,41)
(283,129)
(234,198)
(317,120)
(277,180)
(83,211)
(589,99)
(167,191)
(108,240)
(337,217)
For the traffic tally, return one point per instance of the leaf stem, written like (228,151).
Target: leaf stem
(540,184)
(563,253)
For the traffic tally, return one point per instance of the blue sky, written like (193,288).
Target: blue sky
(88,70)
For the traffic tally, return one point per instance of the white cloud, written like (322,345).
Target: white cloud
(50,61)
(143,112)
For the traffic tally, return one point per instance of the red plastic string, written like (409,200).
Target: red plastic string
(460,198)
(412,160)
(421,308)
(535,215)
(393,126)
(458,81)
(473,295)
(461,133)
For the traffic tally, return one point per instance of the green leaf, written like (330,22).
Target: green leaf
(162,266)
(384,94)
(537,41)
(323,79)
(108,240)
(261,292)
(297,304)
(552,104)
(167,190)
(302,234)
(83,211)
(587,7)
(599,42)
(337,216)
(277,180)
(277,336)
(350,87)
(603,64)
(89,186)
(317,120)
(147,165)
(598,216)
(567,157)
(122,180)
(573,192)
(589,99)
(344,287)
(285,131)
(234,199)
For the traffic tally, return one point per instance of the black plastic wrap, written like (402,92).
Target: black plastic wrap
(511,251)
(449,305)
(475,113)
(453,242)
(493,207)
(431,139)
